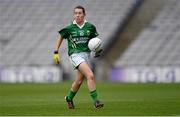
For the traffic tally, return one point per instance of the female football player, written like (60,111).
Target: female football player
(78,34)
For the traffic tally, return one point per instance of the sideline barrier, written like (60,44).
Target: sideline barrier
(48,74)
(146,74)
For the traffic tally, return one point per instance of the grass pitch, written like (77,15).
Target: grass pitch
(119,99)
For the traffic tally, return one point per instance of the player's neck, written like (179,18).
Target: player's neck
(80,23)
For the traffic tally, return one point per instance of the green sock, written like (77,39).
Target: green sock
(71,95)
(94,95)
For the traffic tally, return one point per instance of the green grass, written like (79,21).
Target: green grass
(119,99)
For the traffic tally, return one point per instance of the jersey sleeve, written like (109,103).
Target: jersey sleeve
(94,32)
(64,33)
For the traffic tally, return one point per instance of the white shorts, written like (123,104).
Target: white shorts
(77,58)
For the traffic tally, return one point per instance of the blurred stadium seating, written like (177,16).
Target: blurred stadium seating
(158,44)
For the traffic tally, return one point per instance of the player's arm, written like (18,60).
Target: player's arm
(56,56)
(58,43)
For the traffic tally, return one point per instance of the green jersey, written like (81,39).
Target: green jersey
(78,37)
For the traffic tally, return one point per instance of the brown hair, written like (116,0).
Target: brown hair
(81,7)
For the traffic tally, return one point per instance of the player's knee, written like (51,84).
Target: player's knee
(90,76)
(79,82)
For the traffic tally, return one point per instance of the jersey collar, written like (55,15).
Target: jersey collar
(74,22)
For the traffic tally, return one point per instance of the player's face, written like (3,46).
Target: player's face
(79,16)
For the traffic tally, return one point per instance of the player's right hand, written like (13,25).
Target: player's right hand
(56,57)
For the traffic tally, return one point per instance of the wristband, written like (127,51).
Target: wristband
(55,52)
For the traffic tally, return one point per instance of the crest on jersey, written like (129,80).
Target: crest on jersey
(81,33)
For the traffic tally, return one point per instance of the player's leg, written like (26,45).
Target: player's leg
(87,72)
(75,85)
(78,81)
(74,88)
(84,69)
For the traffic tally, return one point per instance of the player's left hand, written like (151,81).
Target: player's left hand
(98,53)
(56,57)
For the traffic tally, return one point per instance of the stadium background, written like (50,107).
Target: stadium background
(141,41)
